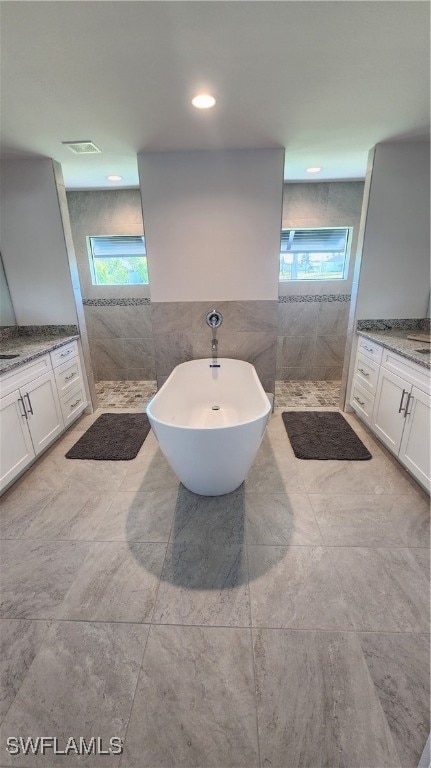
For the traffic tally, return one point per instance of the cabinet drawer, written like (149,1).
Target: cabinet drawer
(68,376)
(370,349)
(60,355)
(73,404)
(412,372)
(21,376)
(366,373)
(362,401)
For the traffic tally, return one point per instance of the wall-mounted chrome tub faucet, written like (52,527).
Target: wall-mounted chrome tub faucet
(214,319)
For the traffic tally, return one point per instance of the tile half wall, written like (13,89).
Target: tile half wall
(131,339)
(311,337)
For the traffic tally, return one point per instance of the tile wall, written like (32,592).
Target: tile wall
(248,332)
(312,337)
(146,341)
(121,339)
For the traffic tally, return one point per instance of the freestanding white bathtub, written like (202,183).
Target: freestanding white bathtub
(209,422)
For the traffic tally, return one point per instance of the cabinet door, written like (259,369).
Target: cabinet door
(415,445)
(388,421)
(44,413)
(16,446)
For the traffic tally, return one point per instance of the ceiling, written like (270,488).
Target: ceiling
(326,80)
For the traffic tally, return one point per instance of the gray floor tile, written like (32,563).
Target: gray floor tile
(275,442)
(69,514)
(117,582)
(20,641)
(139,516)
(280,518)
(372,520)
(18,510)
(274,475)
(81,683)
(386,590)
(36,576)
(203,584)
(422,557)
(294,583)
(376,476)
(153,475)
(400,669)
(50,473)
(219,519)
(194,705)
(385,475)
(97,476)
(316,704)
(295,587)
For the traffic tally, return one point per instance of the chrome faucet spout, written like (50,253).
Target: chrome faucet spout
(214,345)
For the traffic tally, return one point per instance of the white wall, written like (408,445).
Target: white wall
(7,315)
(212,223)
(33,245)
(395,269)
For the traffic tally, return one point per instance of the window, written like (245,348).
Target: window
(118,260)
(314,254)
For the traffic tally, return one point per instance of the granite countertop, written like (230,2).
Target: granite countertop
(397,341)
(29,347)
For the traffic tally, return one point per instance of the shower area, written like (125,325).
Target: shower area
(108,236)
(320,225)
(313,302)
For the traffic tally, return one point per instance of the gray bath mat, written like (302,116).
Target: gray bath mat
(112,437)
(323,435)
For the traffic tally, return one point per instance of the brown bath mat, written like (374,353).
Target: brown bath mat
(323,435)
(112,437)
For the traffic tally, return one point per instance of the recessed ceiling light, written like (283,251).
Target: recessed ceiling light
(114,178)
(203,101)
(315,169)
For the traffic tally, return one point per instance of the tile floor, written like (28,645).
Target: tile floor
(124,394)
(307,394)
(282,625)
(291,394)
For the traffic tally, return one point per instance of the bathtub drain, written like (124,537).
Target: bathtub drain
(215,408)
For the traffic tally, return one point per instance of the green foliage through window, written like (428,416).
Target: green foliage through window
(118,260)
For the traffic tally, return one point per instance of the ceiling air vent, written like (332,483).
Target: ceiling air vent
(82,147)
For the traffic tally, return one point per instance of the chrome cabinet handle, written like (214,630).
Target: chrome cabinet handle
(20,400)
(65,354)
(361,370)
(401,403)
(68,378)
(369,349)
(409,400)
(359,401)
(75,404)
(29,403)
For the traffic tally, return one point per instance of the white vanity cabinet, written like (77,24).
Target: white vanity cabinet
(68,374)
(388,418)
(38,401)
(43,410)
(16,447)
(415,444)
(392,395)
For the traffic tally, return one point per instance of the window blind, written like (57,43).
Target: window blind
(314,240)
(117,247)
